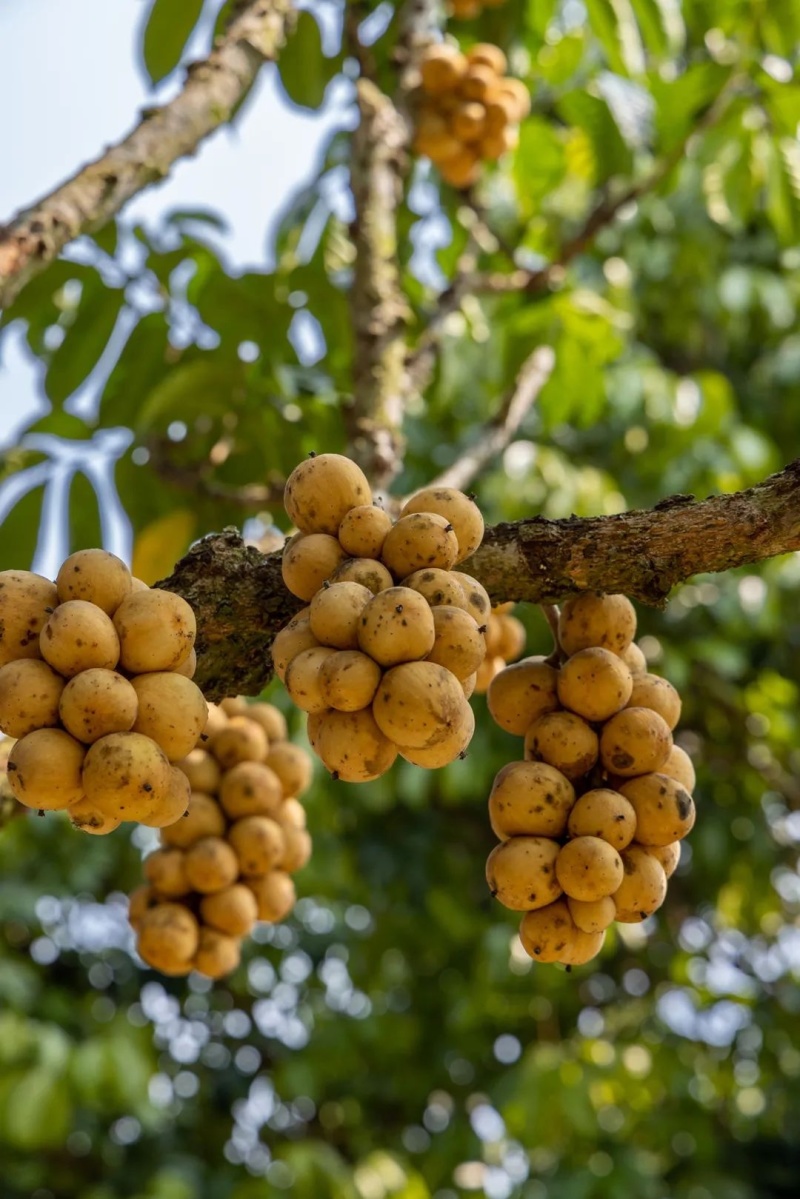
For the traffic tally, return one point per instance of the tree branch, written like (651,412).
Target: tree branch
(496,435)
(378,307)
(213,90)
(241,602)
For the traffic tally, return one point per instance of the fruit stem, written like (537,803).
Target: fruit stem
(551,613)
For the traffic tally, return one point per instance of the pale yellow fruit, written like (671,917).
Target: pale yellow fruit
(97,576)
(495,143)
(643,887)
(511,637)
(589,869)
(634,659)
(441,67)
(678,766)
(490,56)
(476,596)
(583,947)
(458,642)
(217,954)
(438,587)
(363,531)
(202,771)
(30,691)
(667,855)
(591,619)
(303,679)
(530,799)
(635,741)
(335,612)
(519,694)
(366,571)
(234,705)
(493,636)
(605,814)
(453,746)
(320,491)
(488,670)
(293,767)
(140,901)
(233,910)
(79,636)
(188,666)
(418,541)
(250,789)
(168,937)
(216,720)
(156,631)
(165,871)
(291,814)
(592,916)
(308,561)
(126,775)
(172,711)
(86,818)
(171,805)
(516,91)
(241,740)
(204,818)
(594,683)
(418,704)
(462,169)
(271,719)
(258,843)
(665,812)
(138,584)
(211,864)
(97,702)
(433,136)
(468,120)
(478,83)
(274,893)
(562,740)
(26,603)
(458,509)
(297,848)
(351,745)
(651,691)
(348,680)
(548,933)
(521,873)
(468,684)
(291,640)
(396,626)
(45,770)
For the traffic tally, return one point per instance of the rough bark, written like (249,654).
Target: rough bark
(241,601)
(213,90)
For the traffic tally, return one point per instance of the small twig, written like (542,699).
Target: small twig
(354,13)
(501,429)
(199,480)
(552,613)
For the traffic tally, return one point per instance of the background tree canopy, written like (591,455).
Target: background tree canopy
(391,1040)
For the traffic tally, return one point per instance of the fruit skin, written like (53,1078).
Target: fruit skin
(94,575)
(530,799)
(303,679)
(233,911)
(168,937)
(521,693)
(678,766)
(165,871)
(418,704)
(171,805)
(635,741)
(589,869)
(201,770)
(521,873)
(592,916)
(476,596)
(367,571)
(668,856)
(293,767)
(271,719)
(258,843)
(291,640)
(584,947)
(351,745)
(335,611)
(79,636)
(458,645)
(321,490)
(548,933)
(211,865)
(296,850)
(26,603)
(363,531)
(441,67)
(651,691)
(240,740)
(97,702)
(274,893)
(156,631)
(419,540)
(446,751)
(396,626)
(634,659)
(204,818)
(140,901)
(125,775)
(348,680)
(594,683)
(85,818)
(217,954)
(643,887)
(308,561)
(606,814)
(30,691)
(665,812)
(437,586)
(172,711)
(591,619)
(562,740)
(44,770)
(250,789)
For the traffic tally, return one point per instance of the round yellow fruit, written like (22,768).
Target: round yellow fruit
(165,871)
(367,571)
(204,818)
(97,702)
(594,683)
(583,947)
(643,887)
(651,691)
(45,770)
(519,694)
(459,645)
(590,619)
(241,740)
(96,576)
(418,704)
(84,817)
(171,805)
(271,719)
(126,775)
(530,799)
(417,541)
(30,691)
(335,613)
(396,626)
(606,814)
(140,901)
(438,587)
(547,934)
(27,601)
(521,873)
(274,894)
(217,954)
(475,595)
(321,491)
(201,770)
(667,855)
(589,869)
(308,561)
(79,636)
(511,637)
(443,752)
(172,711)
(363,531)
(293,767)
(678,766)
(168,937)
(348,680)
(250,789)
(211,864)
(665,812)
(562,740)
(634,659)
(351,745)
(458,509)
(258,843)
(592,916)
(297,849)
(233,910)
(441,67)
(291,640)
(303,679)
(156,631)
(635,741)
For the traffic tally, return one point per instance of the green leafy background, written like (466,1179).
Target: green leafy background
(390,1040)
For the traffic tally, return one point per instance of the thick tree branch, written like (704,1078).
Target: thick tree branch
(378,307)
(241,601)
(496,435)
(213,90)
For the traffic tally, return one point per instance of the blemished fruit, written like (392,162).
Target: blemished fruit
(94,575)
(592,916)
(548,933)
(664,810)
(309,561)
(521,693)
(367,571)
(126,775)
(458,643)
(335,611)
(589,869)
(594,683)
(204,818)
(297,847)
(396,626)
(26,602)
(530,799)
(211,865)
(45,770)
(271,719)
(635,741)
(321,491)
(521,873)
(86,818)
(291,640)
(418,704)
(643,887)
(233,910)
(201,770)
(97,702)
(292,766)
(217,953)
(303,681)
(258,842)
(351,744)
(651,691)
(363,531)
(678,766)
(168,937)
(78,636)
(171,805)
(606,814)
(563,740)
(274,893)
(458,509)
(438,587)
(172,711)
(250,789)
(443,752)
(156,631)
(668,855)
(419,540)
(165,871)
(30,692)
(240,740)
(348,680)
(590,619)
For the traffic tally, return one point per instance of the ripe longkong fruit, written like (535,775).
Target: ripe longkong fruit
(233,911)
(126,775)
(335,611)
(26,602)
(240,740)
(44,770)
(562,740)
(521,873)
(320,491)
(363,531)
(203,818)
(94,575)
(589,869)
(168,937)
(635,741)
(530,799)
(417,541)
(351,745)
(664,810)
(418,704)
(217,953)
(519,694)
(274,893)
(308,561)
(171,805)
(590,619)
(348,680)
(396,626)
(172,711)
(258,842)
(459,644)
(291,640)
(97,702)
(201,770)
(592,916)
(156,631)
(548,933)
(594,683)
(651,691)
(86,818)
(606,814)
(30,691)
(211,865)
(293,767)
(453,746)
(643,887)
(79,636)
(250,789)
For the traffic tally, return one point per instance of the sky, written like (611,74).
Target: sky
(72,93)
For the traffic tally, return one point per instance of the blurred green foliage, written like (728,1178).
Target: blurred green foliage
(391,1041)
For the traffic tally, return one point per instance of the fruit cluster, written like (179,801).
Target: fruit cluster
(228,862)
(505,641)
(468,111)
(380,668)
(466,10)
(590,823)
(95,682)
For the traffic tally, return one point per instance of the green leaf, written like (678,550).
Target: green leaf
(200,386)
(84,340)
(142,362)
(169,27)
(38,1111)
(305,71)
(19,530)
(679,102)
(612,155)
(603,20)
